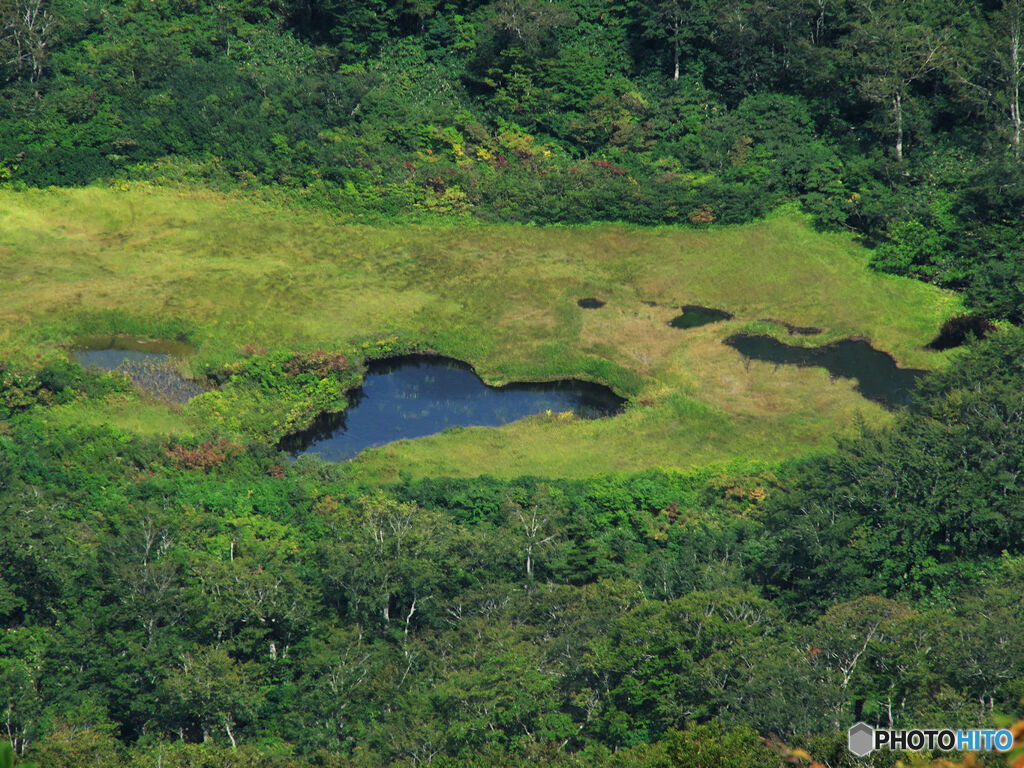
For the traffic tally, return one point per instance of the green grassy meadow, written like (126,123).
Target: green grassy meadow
(229,272)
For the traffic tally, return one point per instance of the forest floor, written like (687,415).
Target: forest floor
(228,273)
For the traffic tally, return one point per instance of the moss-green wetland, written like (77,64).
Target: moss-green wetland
(230,274)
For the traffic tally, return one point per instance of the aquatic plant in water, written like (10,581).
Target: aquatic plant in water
(161,379)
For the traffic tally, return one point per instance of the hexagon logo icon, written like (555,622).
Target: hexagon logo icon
(861,739)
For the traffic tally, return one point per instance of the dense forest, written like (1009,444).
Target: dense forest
(899,120)
(208,603)
(164,596)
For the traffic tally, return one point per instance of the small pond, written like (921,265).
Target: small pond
(957,330)
(109,351)
(878,377)
(149,365)
(694,316)
(590,303)
(419,395)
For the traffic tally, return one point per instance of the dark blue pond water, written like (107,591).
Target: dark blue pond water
(416,396)
(878,377)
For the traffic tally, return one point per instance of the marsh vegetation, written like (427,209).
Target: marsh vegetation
(503,298)
(154,366)
(765,545)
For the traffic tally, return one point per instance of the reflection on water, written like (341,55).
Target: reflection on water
(415,396)
(878,377)
(148,364)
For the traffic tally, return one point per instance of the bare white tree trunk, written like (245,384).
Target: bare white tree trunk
(897,111)
(1015,77)
(29,30)
(533,525)
(412,610)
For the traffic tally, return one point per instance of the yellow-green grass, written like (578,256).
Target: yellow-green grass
(125,411)
(502,297)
